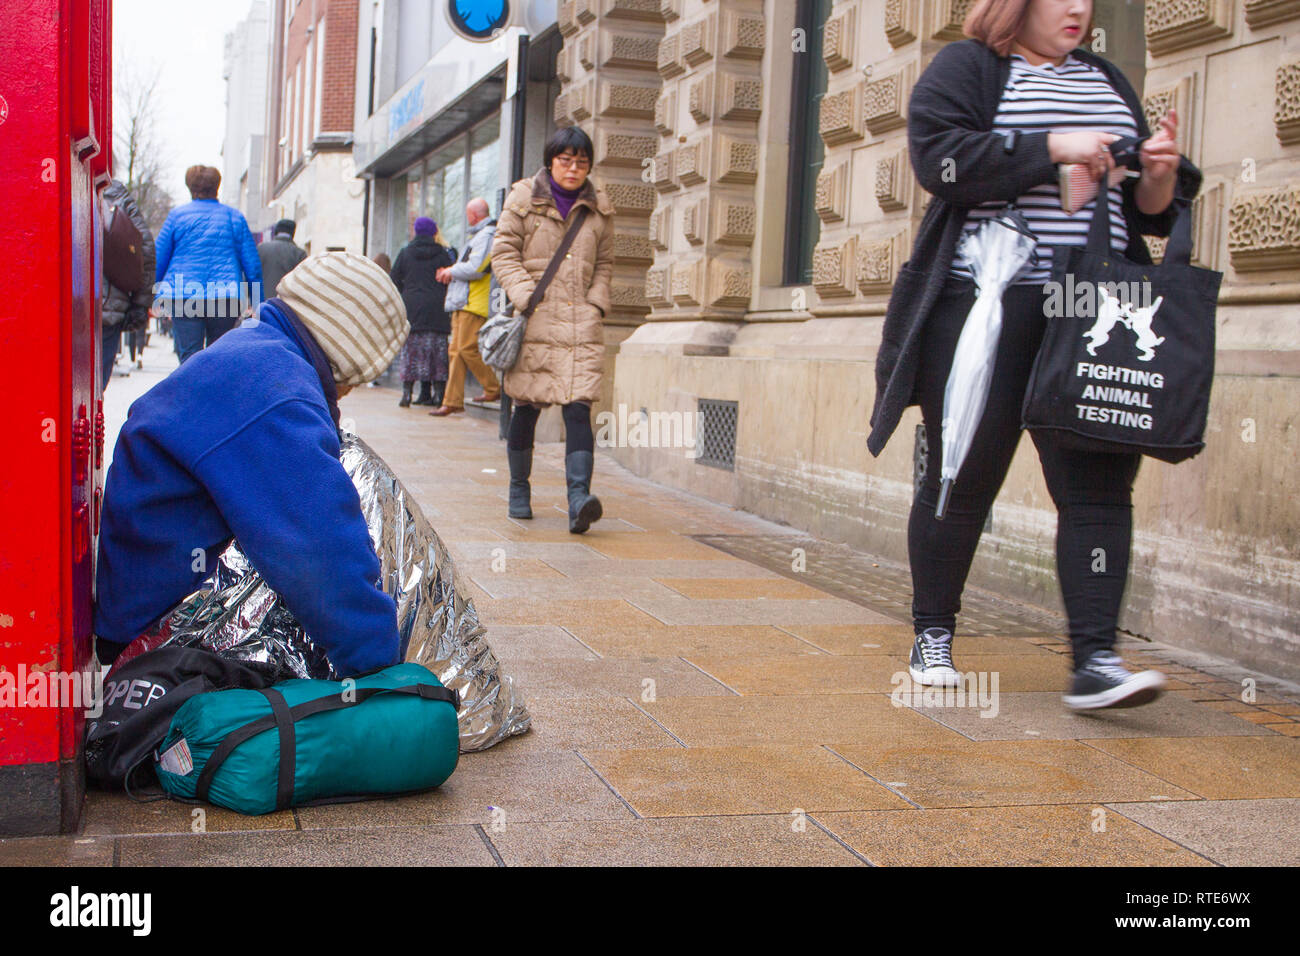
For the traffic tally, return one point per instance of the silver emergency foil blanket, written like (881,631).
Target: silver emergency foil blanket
(237,615)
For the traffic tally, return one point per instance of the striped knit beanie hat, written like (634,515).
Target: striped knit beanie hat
(352,308)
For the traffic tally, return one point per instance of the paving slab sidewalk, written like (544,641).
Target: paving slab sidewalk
(691,707)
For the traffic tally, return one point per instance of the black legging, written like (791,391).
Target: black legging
(1092,492)
(577,427)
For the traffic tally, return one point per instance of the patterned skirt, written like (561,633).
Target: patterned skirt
(424,358)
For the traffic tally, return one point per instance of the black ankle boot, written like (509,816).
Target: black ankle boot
(406,394)
(521,466)
(438,389)
(584,507)
(426,395)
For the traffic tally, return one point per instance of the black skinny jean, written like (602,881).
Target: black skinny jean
(577,427)
(1092,492)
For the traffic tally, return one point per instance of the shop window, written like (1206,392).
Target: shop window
(485,162)
(445,193)
(452,203)
(807,152)
(441,186)
(398,223)
(414,201)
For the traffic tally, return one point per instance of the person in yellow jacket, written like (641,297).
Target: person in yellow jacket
(468,295)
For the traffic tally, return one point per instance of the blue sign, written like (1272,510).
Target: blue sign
(478,19)
(406,109)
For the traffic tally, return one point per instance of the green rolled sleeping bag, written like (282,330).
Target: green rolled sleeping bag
(303,741)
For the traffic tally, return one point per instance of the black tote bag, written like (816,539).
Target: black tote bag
(1127,358)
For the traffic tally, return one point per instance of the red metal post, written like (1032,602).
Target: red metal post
(55,147)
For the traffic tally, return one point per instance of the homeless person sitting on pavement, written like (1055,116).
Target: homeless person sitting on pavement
(242,441)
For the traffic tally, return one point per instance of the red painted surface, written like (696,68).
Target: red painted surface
(55,82)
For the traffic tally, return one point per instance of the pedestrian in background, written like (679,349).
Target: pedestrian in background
(469,293)
(121,310)
(208,270)
(415,273)
(562,360)
(136,340)
(1003,109)
(279,255)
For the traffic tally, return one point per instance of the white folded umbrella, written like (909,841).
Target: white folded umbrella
(996,252)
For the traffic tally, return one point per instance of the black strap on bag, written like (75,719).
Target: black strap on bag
(1178,250)
(552,267)
(283,717)
(288,747)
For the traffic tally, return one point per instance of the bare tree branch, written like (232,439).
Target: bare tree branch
(140,157)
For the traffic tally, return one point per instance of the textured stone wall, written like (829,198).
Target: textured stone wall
(608,71)
(706,158)
(867,197)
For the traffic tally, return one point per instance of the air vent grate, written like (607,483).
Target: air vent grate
(717,433)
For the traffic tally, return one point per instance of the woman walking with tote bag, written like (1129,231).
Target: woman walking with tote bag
(988,122)
(562,359)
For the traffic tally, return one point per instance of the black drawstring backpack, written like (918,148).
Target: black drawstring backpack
(140,698)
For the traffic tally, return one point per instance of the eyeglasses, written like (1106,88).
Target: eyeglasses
(574,162)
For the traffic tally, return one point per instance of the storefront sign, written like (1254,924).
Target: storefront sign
(405,109)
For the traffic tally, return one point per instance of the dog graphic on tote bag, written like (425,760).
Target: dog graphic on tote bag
(1113,312)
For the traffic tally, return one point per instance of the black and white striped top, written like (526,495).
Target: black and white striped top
(1049,98)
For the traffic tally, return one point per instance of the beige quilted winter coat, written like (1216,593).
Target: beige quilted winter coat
(563,355)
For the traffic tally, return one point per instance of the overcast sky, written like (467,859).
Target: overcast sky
(184,39)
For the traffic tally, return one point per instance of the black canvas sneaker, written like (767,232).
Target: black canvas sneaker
(931,662)
(1104,681)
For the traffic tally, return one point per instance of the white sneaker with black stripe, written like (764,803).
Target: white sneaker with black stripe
(1104,681)
(931,661)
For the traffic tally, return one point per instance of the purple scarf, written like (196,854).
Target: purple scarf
(564,198)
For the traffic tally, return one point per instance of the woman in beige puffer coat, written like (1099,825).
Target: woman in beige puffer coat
(562,359)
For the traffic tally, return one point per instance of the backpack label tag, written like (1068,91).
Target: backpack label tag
(176,759)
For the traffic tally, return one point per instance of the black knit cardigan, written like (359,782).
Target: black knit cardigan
(962,163)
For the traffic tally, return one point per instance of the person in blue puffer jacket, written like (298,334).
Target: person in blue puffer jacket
(261,466)
(208,271)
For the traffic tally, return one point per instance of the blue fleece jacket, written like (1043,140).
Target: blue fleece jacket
(238,442)
(205,250)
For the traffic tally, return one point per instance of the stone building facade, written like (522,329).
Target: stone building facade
(695,107)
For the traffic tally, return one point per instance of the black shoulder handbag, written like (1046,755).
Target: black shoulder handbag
(124,253)
(1127,359)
